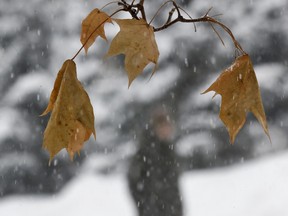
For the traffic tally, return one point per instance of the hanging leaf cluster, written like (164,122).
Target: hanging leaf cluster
(72,119)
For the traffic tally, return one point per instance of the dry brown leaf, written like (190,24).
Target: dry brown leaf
(94,22)
(240,93)
(77,141)
(72,119)
(136,40)
(55,90)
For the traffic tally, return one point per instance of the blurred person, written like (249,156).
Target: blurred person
(153,173)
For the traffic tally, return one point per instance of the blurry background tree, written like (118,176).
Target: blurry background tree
(31,49)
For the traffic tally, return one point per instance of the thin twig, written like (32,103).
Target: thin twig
(170,15)
(129,8)
(113,2)
(216,15)
(177,8)
(159,9)
(189,17)
(204,18)
(208,11)
(133,9)
(236,43)
(141,8)
(217,34)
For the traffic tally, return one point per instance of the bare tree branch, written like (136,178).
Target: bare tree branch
(205,18)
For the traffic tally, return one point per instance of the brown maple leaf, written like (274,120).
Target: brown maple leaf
(93,26)
(136,40)
(240,93)
(55,90)
(72,119)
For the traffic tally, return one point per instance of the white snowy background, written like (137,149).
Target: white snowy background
(255,187)
(258,188)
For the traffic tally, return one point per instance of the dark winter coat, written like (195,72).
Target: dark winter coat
(153,178)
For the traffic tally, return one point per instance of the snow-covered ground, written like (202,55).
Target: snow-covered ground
(257,188)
